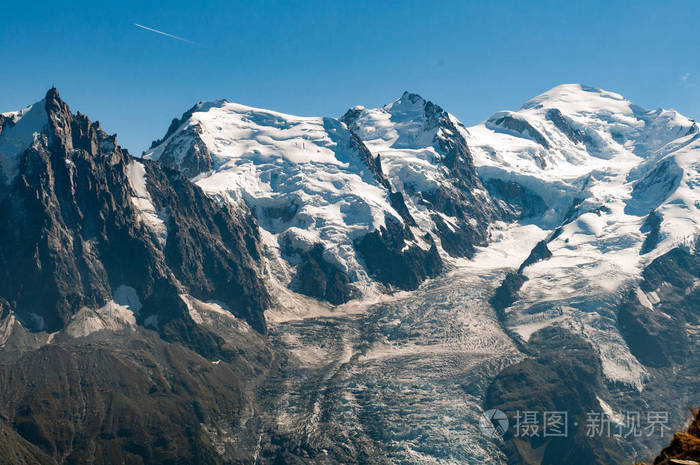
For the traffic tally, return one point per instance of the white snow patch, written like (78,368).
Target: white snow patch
(6,327)
(110,317)
(615,417)
(643,299)
(16,138)
(153,220)
(202,313)
(117,314)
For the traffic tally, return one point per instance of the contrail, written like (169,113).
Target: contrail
(165,34)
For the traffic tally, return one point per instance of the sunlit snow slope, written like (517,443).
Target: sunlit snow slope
(619,182)
(304,177)
(324,199)
(425,155)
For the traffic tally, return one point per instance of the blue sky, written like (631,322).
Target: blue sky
(319,58)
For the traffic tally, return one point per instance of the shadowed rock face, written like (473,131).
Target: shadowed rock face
(316,277)
(174,125)
(518,201)
(393,261)
(659,336)
(652,228)
(193,158)
(564,374)
(519,126)
(574,135)
(82,218)
(539,252)
(194,161)
(507,293)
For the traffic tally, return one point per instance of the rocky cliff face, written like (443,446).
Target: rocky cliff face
(186,152)
(82,218)
(129,302)
(563,374)
(658,318)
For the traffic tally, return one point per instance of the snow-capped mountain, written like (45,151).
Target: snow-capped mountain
(548,257)
(618,182)
(597,186)
(424,155)
(579,142)
(323,198)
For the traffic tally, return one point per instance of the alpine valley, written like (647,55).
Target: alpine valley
(262,288)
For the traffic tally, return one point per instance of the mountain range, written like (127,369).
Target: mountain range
(259,287)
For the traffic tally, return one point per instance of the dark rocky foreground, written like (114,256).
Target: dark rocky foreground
(563,375)
(654,338)
(684,448)
(128,398)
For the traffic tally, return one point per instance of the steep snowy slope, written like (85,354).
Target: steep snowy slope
(324,198)
(618,181)
(424,154)
(17,132)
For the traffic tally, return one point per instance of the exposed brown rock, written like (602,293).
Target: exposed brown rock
(684,448)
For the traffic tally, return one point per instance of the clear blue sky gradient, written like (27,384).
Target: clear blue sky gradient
(319,58)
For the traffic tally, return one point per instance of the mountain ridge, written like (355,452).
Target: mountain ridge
(250,148)
(239,284)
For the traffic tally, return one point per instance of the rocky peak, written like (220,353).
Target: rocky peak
(413,107)
(425,154)
(83,218)
(350,117)
(408,101)
(175,124)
